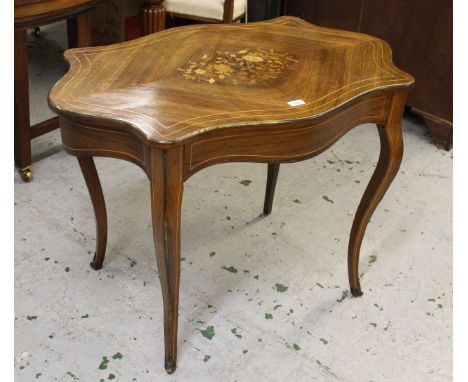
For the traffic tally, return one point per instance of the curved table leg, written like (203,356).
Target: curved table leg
(95,191)
(273,169)
(391,153)
(166,177)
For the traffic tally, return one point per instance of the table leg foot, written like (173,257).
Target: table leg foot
(272,177)
(95,264)
(356,292)
(166,178)
(25,174)
(170,366)
(95,191)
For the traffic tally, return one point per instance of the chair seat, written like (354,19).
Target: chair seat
(208,9)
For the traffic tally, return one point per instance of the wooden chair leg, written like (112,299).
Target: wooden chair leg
(391,153)
(22,123)
(153,16)
(95,191)
(166,177)
(72,32)
(273,169)
(83,21)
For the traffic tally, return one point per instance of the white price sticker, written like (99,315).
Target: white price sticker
(296,102)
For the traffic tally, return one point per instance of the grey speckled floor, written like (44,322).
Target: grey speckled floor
(75,324)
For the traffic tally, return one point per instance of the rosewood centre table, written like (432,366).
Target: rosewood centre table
(191,97)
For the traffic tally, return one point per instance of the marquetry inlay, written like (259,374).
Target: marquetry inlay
(175,84)
(247,66)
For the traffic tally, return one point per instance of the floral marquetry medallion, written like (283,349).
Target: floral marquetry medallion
(245,66)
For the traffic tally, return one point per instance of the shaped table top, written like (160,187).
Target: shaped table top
(181,82)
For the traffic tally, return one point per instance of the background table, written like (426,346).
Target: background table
(31,14)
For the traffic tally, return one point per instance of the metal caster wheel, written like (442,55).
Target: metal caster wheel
(25,174)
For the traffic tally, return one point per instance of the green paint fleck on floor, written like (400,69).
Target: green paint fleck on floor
(327,199)
(38,375)
(229,269)
(103,364)
(245,182)
(372,259)
(228,217)
(212,253)
(111,376)
(234,331)
(85,315)
(51,336)
(256,277)
(357,181)
(297,201)
(320,285)
(67,269)
(30,318)
(439,306)
(344,294)
(325,368)
(277,306)
(281,288)
(206,358)
(132,262)
(431,299)
(244,351)
(208,332)
(296,347)
(268,316)
(324,341)
(117,355)
(72,375)
(373,324)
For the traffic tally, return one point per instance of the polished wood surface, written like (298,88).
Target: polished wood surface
(29,14)
(420,33)
(188,98)
(173,84)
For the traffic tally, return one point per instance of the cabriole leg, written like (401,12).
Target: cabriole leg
(391,153)
(166,177)
(95,191)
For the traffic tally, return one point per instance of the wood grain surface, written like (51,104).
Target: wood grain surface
(173,85)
